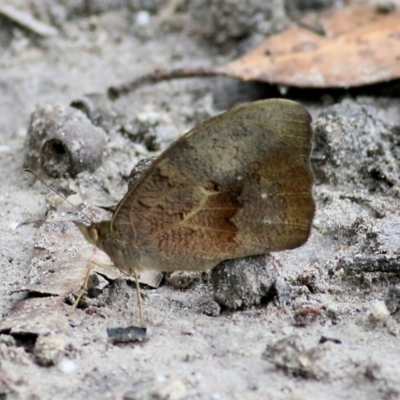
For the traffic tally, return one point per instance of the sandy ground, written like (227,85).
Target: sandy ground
(326,327)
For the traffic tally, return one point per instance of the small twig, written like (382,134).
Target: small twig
(162,75)
(27,21)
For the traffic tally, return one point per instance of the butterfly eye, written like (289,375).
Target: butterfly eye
(90,233)
(94,237)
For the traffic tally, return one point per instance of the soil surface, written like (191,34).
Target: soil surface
(318,322)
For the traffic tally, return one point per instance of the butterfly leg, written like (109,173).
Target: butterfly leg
(139,297)
(83,289)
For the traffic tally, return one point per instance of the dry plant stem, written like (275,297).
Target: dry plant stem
(27,21)
(114,92)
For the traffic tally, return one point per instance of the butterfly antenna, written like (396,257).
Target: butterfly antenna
(55,191)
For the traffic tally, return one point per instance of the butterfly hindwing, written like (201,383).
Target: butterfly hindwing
(238,184)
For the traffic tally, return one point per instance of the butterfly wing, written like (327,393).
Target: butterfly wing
(236,185)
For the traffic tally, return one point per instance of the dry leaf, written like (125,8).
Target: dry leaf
(362,47)
(58,267)
(60,258)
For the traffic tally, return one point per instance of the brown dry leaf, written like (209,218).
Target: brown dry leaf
(361,46)
(345,20)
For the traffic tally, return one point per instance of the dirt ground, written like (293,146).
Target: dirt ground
(327,323)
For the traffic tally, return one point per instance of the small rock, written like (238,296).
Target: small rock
(242,282)
(292,357)
(183,279)
(378,313)
(392,299)
(333,313)
(209,307)
(305,315)
(174,390)
(48,349)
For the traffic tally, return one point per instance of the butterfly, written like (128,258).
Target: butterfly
(237,185)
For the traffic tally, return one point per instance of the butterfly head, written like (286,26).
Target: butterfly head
(97,233)
(90,232)
(101,235)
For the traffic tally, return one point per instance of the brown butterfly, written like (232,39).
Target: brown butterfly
(237,185)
